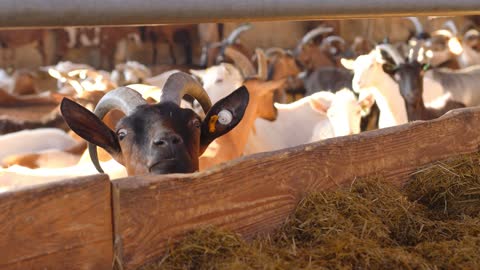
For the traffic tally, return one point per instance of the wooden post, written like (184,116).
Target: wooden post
(58,225)
(255,194)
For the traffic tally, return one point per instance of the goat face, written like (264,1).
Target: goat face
(409,77)
(365,69)
(161,138)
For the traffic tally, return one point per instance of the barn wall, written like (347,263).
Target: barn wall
(263,34)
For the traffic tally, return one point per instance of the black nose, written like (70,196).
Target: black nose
(172,139)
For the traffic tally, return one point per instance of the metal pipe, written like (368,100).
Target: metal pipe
(54,13)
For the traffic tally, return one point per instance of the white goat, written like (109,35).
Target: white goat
(316,117)
(369,76)
(220,80)
(16,176)
(129,73)
(36,140)
(75,79)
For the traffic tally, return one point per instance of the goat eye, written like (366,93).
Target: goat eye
(121,133)
(196,123)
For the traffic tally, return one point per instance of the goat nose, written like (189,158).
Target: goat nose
(173,139)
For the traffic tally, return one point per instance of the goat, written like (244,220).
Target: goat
(81,82)
(471,38)
(12,39)
(219,81)
(170,34)
(465,55)
(316,117)
(409,76)
(328,79)
(214,53)
(459,85)
(29,112)
(105,39)
(45,159)
(53,120)
(283,65)
(309,55)
(129,73)
(369,74)
(36,140)
(21,82)
(360,46)
(161,138)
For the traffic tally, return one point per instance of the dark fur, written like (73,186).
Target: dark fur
(409,76)
(330,79)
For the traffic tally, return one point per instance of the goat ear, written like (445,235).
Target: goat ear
(223,116)
(270,86)
(347,63)
(88,126)
(455,46)
(321,101)
(389,68)
(366,101)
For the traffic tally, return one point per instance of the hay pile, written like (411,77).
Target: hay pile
(432,223)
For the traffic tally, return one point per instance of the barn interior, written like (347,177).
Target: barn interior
(282,179)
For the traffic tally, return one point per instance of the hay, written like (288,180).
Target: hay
(431,223)
(449,189)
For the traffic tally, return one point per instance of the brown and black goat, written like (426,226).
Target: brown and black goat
(214,53)
(409,75)
(160,138)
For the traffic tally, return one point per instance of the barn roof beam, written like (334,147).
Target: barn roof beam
(55,13)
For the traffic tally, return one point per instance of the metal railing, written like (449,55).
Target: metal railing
(53,13)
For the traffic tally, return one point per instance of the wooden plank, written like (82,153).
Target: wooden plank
(255,194)
(58,225)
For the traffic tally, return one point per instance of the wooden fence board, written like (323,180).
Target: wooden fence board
(255,194)
(58,225)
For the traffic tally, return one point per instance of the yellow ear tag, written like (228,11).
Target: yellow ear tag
(212,122)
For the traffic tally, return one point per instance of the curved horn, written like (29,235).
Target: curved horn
(180,84)
(450,24)
(443,32)
(274,50)
(418,25)
(205,50)
(388,48)
(331,39)
(236,33)
(312,34)
(241,61)
(262,72)
(471,33)
(124,99)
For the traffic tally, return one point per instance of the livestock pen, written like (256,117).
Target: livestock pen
(89,222)
(93,223)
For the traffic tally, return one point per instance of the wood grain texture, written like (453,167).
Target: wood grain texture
(255,194)
(58,225)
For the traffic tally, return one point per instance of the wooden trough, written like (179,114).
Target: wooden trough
(72,224)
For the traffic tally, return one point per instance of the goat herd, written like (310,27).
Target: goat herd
(190,118)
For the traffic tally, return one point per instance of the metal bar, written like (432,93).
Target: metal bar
(52,13)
